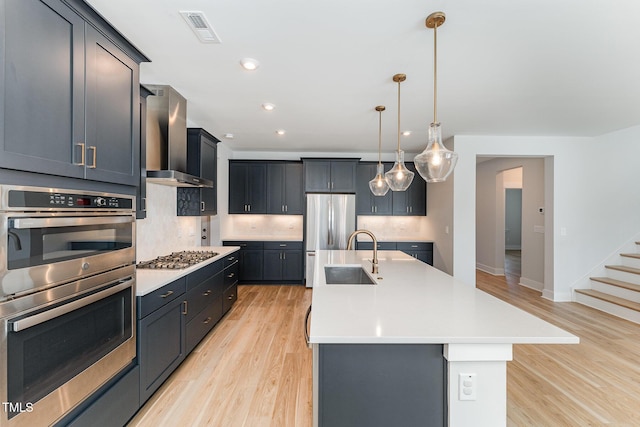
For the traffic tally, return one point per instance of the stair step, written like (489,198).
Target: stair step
(631,255)
(624,268)
(618,283)
(610,298)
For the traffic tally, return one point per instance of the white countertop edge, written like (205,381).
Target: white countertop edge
(443,340)
(148,280)
(258,238)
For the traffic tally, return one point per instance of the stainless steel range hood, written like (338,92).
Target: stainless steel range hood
(167,139)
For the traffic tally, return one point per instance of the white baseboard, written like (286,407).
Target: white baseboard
(491,270)
(531,284)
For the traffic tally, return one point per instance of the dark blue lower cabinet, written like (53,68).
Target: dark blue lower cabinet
(381,385)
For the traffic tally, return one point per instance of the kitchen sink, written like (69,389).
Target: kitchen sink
(347,275)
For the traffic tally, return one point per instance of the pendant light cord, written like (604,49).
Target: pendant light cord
(435,72)
(398,115)
(380,137)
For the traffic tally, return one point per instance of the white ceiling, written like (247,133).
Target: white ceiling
(505,67)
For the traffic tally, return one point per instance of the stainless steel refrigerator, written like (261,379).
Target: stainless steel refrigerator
(330,219)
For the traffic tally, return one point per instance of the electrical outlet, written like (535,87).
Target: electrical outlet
(467,386)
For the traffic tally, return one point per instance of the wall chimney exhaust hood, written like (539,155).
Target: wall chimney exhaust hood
(167,139)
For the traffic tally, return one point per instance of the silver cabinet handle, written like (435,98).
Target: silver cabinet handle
(282,208)
(166,294)
(283,245)
(306,326)
(95,154)
(82,153)
(42,317)
(286,208)
(207,293)
(230,276)
(144,204)
(207,320)
(185,310)
(202,206)
(284,255)
(230,297)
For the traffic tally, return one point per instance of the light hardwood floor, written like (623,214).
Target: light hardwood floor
(255,370)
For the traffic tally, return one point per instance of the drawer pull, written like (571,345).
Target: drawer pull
(283,245)
(185,305)
(207,320)
(231,275)
(231,258)
(167,294)
(414,246)
(207,293)
(230,297)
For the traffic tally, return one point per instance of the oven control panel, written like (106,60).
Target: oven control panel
(67,200)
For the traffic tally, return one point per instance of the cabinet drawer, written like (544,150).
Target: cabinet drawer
(382,246)
(230,296)
(244,244)
(205,273)
(200,297)
(230,259)
(151,302)
(200,325)
(231,275)
(282,245)
(415,246)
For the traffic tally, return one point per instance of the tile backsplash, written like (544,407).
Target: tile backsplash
(162,231)
(396,228)
(272,226)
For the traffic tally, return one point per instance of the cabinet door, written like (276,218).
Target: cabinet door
(161,346)
(251,265)
(237,187)
(273,265)
(365,172)
(293,191)
(42,88)
(209,170)
(414,200)
(257,188)
(343,176)
(317,176)
(112,145)
(292,265)
(276,178)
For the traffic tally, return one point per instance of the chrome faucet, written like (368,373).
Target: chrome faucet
(374,261)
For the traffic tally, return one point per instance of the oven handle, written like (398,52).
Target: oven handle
(36,319)
(25,223)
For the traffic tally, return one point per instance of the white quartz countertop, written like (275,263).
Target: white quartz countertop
(415,303)
(148,280)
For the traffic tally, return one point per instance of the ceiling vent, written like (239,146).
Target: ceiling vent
(200,26)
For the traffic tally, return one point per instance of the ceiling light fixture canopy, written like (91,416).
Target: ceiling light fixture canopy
(436,162)
(378,184)
(399,178)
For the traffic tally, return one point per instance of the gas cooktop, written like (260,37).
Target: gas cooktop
(178,260)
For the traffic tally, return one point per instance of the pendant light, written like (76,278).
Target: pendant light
(435,163)
(378,185)
(399,177)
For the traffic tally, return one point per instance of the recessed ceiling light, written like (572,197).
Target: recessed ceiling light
(281,131)
(249,64)
(406,133)
(267,106)
(228,135)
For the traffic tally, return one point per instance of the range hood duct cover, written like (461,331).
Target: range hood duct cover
(167,139)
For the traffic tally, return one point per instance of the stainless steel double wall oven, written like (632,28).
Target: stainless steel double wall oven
(67,298)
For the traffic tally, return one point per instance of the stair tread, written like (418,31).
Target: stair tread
(631,255)
(624,268)
(610,298)
(618,283)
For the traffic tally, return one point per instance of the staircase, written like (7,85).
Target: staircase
(619,292)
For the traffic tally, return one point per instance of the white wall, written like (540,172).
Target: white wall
(594,206)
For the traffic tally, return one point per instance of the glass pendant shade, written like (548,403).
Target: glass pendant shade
(399,178)
(378,185)
(435,163)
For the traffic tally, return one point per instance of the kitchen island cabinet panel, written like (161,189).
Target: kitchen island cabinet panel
(203,322)
(381,385)
(251,260)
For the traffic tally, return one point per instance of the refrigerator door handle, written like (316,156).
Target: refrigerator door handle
(330,237)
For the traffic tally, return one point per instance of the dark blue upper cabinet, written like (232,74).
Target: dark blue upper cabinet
(366,202)
(414,200)
(70,95)
(330,175)
(284,188)
(247,187)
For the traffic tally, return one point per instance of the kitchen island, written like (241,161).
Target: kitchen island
(416,324)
